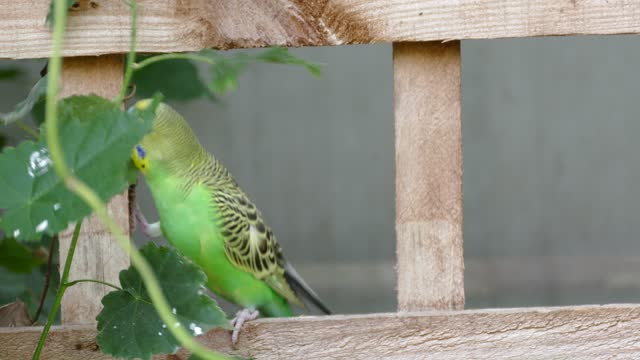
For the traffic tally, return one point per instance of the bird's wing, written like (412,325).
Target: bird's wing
(249,244)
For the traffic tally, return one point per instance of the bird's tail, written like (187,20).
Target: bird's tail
(301,288)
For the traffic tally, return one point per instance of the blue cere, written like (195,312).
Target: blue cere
(141,152)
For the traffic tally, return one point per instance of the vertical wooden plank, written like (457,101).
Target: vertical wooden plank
(427,88)
(97,255)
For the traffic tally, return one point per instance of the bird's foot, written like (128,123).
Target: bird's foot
(242,316)
(151,230)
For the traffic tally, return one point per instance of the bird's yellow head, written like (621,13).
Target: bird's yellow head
(171,143)
(138,154)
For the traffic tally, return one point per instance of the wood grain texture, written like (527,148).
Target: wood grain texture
(97,255)
(428,175)
(583,332)
(182,25)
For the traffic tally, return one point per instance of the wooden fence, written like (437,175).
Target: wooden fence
(430,323)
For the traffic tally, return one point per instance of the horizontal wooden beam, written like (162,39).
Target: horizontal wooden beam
(100,27)
(581,332)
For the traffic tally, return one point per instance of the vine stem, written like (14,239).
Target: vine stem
(132,52)
(27,129)
(91,198)
(61,290)
(47,279)
(71,283)
(171,56)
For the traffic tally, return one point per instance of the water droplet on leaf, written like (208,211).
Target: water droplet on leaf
(197,330)
(42,226)
(39,162)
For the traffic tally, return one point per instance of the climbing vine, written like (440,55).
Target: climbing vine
(78,159)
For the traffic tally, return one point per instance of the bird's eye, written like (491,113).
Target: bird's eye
(141,152)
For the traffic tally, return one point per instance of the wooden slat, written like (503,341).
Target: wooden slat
(582,332)
(97,255)
(173,25)
(428,175)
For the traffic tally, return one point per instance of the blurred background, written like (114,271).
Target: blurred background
(550,162)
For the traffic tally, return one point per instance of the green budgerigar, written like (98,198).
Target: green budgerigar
(206,216)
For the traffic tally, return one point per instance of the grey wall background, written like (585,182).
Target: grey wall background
(550,162)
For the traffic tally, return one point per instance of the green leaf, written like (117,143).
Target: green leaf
(176,79)
(132,173)
(50,19)
(21,110)
(97,138)
(10,73)
(225,71)
(28,288)
(280,55)
(129,326)
(37,112)
(18,258)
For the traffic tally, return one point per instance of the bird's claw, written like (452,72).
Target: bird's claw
(151,230)
(242,316)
